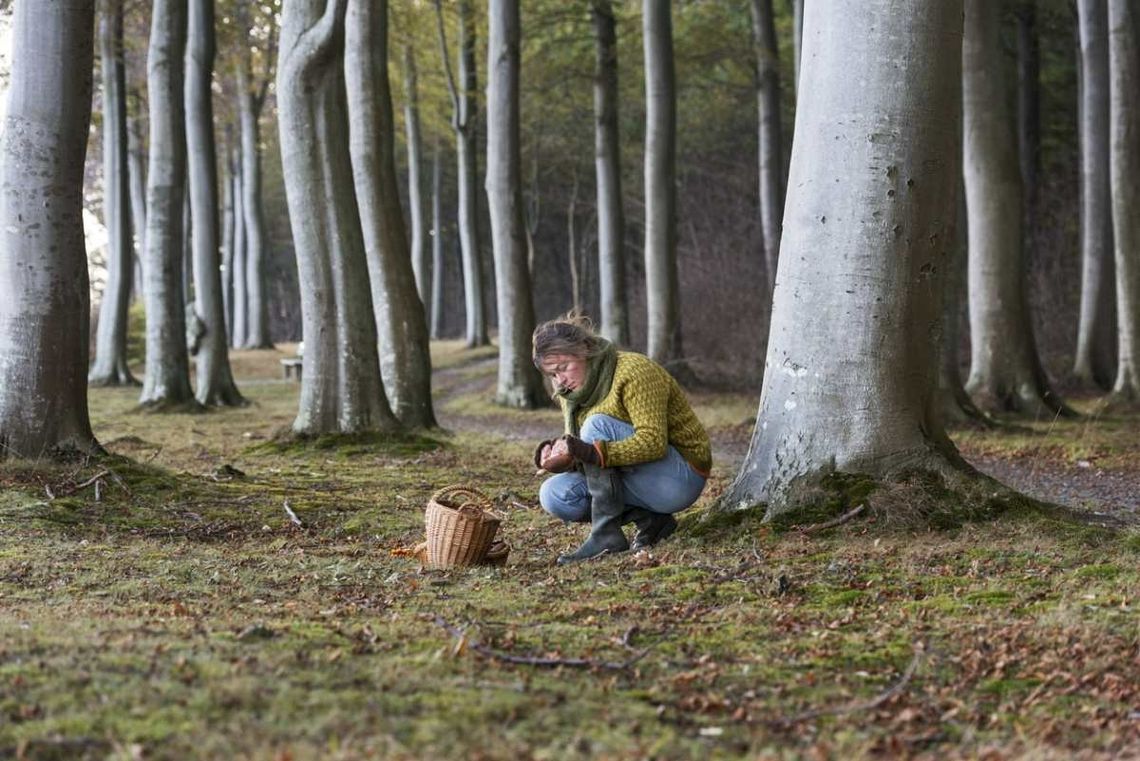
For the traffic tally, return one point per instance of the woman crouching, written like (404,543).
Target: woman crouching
(633,450)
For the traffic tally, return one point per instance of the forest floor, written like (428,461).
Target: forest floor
(163,603)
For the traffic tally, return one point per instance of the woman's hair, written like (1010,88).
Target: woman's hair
(572,334)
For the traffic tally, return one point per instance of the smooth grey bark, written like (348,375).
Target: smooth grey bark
(1005,371)
(519,383)
(215,385)
(1029,118)
(614,306)
(463,108)
(850,373)
(1124,171)
(167,382)
(341,389)
(405,357)
(136,170)
(228,241)
(662,291)
(110,365)
(253,211)
(954,404)
(437,242)
(239,327)
(572,246)
(771,158)
(1096,337)
(421,255)
(44,319)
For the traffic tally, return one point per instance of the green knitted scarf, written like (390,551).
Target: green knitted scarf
(599,378)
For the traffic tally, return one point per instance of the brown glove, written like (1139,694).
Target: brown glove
(542,451)
(582,451)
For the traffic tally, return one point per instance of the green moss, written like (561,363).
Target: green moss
(1105,571)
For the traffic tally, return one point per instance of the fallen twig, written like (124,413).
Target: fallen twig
(834,522)
(68,491)
(542,662)
(292,515)
(868,705)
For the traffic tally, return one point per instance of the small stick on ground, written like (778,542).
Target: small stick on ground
(868,705)
(835,521)
(486,652)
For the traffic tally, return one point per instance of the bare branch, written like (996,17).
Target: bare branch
(446,56)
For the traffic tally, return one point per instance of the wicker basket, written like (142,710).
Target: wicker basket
(460,527)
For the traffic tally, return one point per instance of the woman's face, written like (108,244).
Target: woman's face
(566,370)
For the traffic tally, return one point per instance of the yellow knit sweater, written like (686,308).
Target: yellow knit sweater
(646,396)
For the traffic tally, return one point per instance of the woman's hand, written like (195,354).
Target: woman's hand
(553,456)
(580,450)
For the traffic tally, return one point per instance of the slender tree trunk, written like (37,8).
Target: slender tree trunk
(257,303)
(770,140)
(463,123)
(437,242)
(228,241)
(44,319)
(1029,119)
(136,170)
(187,244)
(662,291)
(519,384)
(239,327)
(572,246)
(110,365)
(607,167)
(341,389)
(850,381)
(421,256)
(405,358)
(1124,166)
(797,39)
(1096,339)
(215,379)
(954,404)
(1005,372)
(167,381)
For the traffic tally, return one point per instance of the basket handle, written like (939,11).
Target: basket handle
(465,495)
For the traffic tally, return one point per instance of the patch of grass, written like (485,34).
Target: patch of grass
(184,612)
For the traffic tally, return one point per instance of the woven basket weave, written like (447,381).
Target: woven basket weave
(460,527)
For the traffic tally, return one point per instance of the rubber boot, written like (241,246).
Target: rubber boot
(651,527)
(607,506)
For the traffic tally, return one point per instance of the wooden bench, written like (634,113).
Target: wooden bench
(291,366)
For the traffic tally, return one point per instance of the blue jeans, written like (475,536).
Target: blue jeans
(668,485)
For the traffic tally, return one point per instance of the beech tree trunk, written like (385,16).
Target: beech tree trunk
(405,359)
(136,170)
(797,39)
(215,379)
(421,255)
(1124,160)
(607,167)
(44,318)
(110,365)
(437,242)
(519,384)
(341,389)
(662,292)
(239,328)
(1029,118)
(1096,337)
(463,123)
(167,383)
(253,214)
(1005,372)
(850,374)
(771,175)
(228,242)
